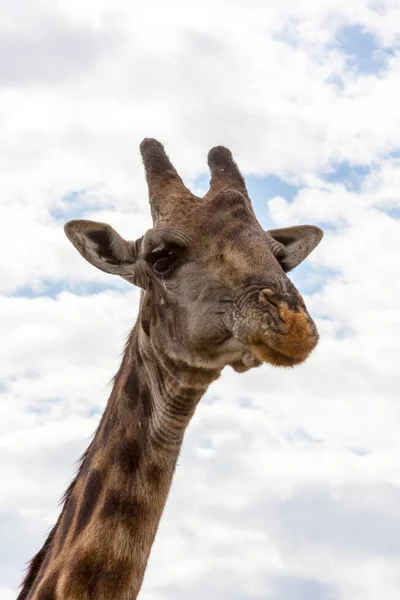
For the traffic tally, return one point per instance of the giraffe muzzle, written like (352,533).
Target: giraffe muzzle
(295,338)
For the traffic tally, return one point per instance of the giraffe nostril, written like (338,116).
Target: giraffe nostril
(267,296)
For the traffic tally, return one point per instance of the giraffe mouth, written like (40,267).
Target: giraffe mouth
(265,353)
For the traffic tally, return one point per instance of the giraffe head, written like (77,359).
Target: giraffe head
(214,286)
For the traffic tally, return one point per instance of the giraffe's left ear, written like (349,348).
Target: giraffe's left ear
(103,247)
(299,241)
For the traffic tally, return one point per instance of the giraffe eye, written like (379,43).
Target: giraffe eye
(164,264)
(165,258)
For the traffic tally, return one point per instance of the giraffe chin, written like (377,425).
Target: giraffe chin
(266,354)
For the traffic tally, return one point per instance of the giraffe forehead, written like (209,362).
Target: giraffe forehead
(228,223)
(191,209)
(231,208)
(221,217)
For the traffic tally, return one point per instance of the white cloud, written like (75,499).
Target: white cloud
(288,483)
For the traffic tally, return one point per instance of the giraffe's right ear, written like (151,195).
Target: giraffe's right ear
(103,247)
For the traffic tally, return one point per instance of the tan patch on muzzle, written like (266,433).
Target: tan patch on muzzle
(291,347)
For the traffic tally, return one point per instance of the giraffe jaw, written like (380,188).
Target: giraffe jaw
(259,352)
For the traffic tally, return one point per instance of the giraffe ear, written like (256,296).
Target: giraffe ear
(103,247)
(298,241)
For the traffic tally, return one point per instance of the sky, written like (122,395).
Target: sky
(288,484)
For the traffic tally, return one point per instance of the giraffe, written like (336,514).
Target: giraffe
(214,293)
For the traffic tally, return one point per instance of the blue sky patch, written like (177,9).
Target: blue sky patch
(51,289)
(44,407)
(391,212)
(75,205)
(206,443)
(301,588)
(344,333)
(336,80)
(309,279)
(246,403)
(362,51)
(300,435)
(263,189)
(359,451)
(349,175)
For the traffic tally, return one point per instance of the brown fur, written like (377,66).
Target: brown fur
(214,293)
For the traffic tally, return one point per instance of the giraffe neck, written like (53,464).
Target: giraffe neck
(102,540)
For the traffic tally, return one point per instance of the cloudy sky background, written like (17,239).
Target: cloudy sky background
(288,486)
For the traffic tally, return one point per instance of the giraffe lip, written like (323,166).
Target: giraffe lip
(265,353)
